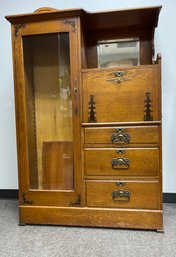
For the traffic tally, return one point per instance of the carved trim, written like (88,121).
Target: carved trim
(72,23)
(17,28)
(25,200)
(45,9)
(148,106)
(77,202)
(92,107)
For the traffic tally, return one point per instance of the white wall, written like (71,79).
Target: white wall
(165,38)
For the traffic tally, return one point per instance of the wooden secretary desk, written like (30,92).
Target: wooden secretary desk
(88,117)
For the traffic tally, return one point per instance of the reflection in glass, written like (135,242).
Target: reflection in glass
(49,111)
(121,52)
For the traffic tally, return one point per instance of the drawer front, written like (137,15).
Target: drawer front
(141,195)
(120,102)
(122,135)
(122,162)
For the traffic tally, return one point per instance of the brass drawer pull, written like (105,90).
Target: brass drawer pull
(121,196)
(120,137)
(120,163)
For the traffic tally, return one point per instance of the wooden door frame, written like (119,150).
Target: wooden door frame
(40,197)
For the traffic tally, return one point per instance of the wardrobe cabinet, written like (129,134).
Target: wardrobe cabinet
(88,117)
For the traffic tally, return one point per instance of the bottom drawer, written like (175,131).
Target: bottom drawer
(141,194)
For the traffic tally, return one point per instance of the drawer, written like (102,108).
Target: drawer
(122,135)
(123,101)
(143,195)
(122,162)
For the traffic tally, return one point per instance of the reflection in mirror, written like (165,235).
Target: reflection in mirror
(119,52)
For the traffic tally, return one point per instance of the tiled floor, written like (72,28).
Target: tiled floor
(56,241)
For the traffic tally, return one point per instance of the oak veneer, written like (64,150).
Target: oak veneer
(142,161)
(138,135)
(142,194)
(99,217)
(123,101)
(126,113)
(57,166)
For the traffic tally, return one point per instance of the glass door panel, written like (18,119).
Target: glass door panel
(49,111)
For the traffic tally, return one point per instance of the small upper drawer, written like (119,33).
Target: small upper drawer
(143,194)
(126,97)
(122,135)
(121,162)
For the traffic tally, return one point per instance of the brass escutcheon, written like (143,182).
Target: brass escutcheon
(119,73)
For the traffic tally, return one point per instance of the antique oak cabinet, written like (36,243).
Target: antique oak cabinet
(88,117)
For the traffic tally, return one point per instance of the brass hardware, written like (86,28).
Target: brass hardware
(148,106)
(77,202)
(25,200)
(72,23)
(17,28)
(120,130)
(118,80)
(120,137)
(75,91)
(119,73)
(121,196)
(92,107)
(120,163)
(120,151)
(120,184)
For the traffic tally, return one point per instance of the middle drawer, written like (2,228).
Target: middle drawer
(122,136)
(121,162)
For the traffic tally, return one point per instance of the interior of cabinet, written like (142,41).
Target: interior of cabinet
(48,111)
(132,49)
(133,25)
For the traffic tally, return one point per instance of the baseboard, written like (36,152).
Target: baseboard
(169,198)
(9,193)
(13,194)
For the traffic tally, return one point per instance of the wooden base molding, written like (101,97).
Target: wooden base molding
(92,217)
